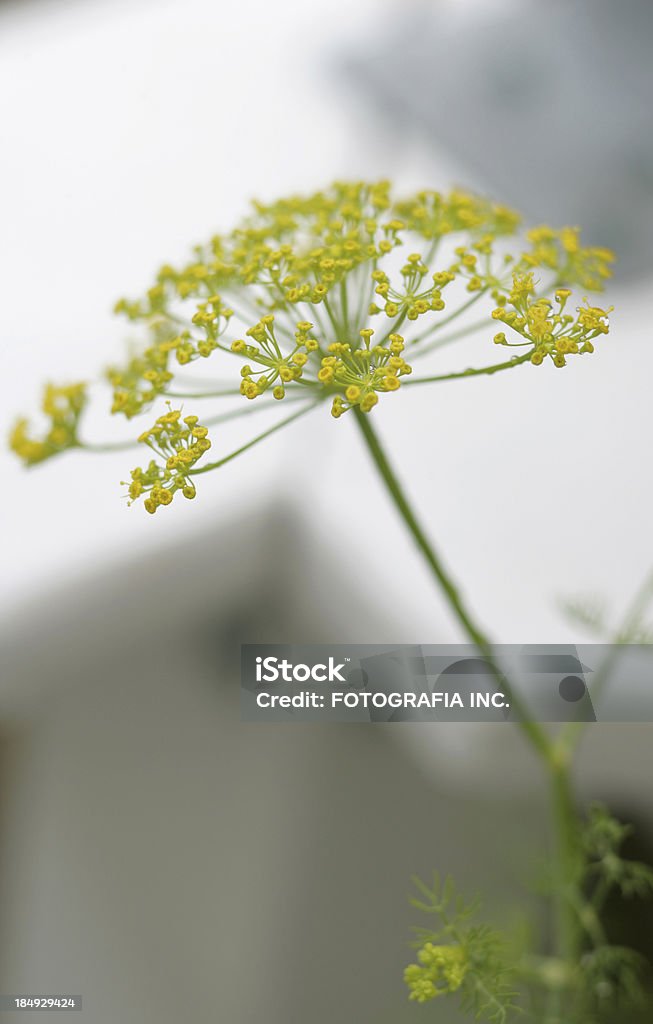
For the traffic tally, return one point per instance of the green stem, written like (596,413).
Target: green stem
(567,853)
(566,868)
(566,862)
(248,409)
(532,730)
(452,316)
(571,733)
(473,372)
(211,421)
(344,306)
(334,322)
(109,446)
(394,328)
(224,393)
(254,440)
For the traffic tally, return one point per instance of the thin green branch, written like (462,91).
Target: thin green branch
(472,371)
(532,729)
(344,305)
(337,327)
(567,862)
(365,286)
(244,409)
(394,327)
(247,408)
(452,316)
(571,733)
(254,440)
(224,393)
(110,446)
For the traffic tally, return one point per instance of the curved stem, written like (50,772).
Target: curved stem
(452,316)
(246,410)
(567,863)
(532,729)
(472,372)
(567,854)
(109,446)
(223,393)
(254,440)
(571,733)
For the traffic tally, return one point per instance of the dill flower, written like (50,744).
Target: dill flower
(441,970)
(335,297)
(63,407)
(178,444)
(552,331)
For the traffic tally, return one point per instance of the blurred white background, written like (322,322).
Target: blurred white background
(130,131)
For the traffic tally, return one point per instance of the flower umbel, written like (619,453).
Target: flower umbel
(63,406)
(441,970)
(552,331)
(460,956)
(179,444)
(335,297)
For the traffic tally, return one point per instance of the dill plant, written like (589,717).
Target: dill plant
(333,300)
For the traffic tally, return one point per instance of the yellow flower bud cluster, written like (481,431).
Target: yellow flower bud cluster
(560,251)
(441,970)
(360,371)
(549,328)
(274,368)
(147,374)
(308,250)
(433,215)
(412,300)
(331,256)
(323,238)
(63,407)
(291,293)
(178,444)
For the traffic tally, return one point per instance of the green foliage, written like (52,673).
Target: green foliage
(587,611)
(591,613)
(486,982)
(603,838)
(611,979)
(496,979)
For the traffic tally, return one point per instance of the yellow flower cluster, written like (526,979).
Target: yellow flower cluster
(547,327)
(304,246)
(179,444)
(362,371)
(412,300)
(441,970)
(292,292)
(432,215)
(573,264)
(331,256)
(321,251)
(301,248)
(147,374)
(276,368)
(63,407)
